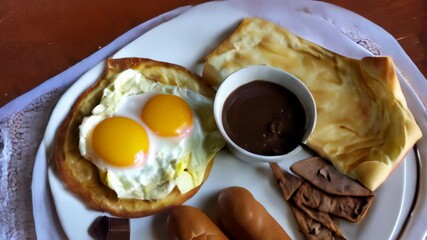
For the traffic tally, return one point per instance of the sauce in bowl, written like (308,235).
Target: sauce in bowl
(264,118)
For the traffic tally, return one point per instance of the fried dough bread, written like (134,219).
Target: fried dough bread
(364,126)
(82,177)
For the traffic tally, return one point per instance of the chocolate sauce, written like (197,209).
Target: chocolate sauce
(264,118)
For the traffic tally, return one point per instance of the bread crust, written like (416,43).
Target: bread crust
(81,176)
(243,217)
(187,222)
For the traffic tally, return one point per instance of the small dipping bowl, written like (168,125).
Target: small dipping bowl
(273,75)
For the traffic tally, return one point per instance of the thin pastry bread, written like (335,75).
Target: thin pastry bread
(82,176)
(364,126)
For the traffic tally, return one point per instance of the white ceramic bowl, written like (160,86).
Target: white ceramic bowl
(273,75)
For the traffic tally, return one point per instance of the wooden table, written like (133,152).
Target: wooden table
(40,39)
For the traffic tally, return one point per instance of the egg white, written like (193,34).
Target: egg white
(167,156)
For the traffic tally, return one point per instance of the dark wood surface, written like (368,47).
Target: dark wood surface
(40,39)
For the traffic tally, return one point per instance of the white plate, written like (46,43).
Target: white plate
(186,40)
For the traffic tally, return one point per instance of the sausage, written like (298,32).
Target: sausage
(186,223)
(243,217)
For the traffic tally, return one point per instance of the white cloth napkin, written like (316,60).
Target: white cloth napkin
(22,122)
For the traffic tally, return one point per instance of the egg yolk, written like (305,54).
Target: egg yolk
(120,141)
(168,115)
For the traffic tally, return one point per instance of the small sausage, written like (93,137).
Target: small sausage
(186,223)
(243,217)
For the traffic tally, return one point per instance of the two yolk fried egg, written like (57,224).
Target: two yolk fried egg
(145,138)
(124,142)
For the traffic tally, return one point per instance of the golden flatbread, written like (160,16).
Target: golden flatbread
(364,126)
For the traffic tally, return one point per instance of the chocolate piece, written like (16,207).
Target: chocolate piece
(99,228)
(323,175)
(119,229)
(312,229)
(106,228)
(347,207)
(288,183)
(321,217)
(313,205)
(264,118)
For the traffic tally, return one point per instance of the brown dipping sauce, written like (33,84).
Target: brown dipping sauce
(264,118)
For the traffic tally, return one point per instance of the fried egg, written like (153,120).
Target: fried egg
(146,138)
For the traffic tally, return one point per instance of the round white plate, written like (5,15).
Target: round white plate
(186,40)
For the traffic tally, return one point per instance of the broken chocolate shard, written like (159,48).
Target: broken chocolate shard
(323,175)
(321,217)
(348,207)
(106,228)
(119,229)
(312,229)
(99,228)
(288,183)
